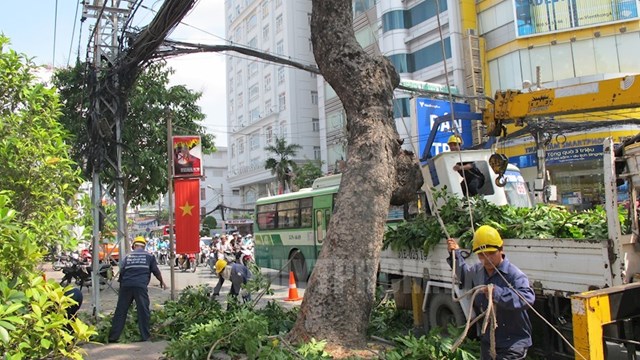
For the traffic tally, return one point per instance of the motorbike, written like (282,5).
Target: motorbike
(187,262)
(61,261)
(163,256)
(246,255)
(80,273)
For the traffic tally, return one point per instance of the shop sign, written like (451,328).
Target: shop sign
(538,17)
(560,156)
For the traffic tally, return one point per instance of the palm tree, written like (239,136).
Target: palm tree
(281,164)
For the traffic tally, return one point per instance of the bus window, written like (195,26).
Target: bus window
(266,216)
(305,212)
(288,215)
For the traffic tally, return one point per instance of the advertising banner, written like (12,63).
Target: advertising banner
(427,111)
(187,155)
(538,17)
(187,210)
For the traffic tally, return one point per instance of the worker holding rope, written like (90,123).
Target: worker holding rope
(507,294)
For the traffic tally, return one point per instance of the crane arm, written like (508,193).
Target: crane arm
(515,105)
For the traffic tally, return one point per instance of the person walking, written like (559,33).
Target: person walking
(511,294)
(135,274)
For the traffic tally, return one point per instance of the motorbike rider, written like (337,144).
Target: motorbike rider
(135,274)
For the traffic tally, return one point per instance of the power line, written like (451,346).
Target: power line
(73,32)
(55,30)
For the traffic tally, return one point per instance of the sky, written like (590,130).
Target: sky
(33,26)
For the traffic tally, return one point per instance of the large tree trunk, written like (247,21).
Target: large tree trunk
(341,291)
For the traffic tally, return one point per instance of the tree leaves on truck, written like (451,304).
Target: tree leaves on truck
(540,222)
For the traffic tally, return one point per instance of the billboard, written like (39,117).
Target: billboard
(187,155)
(427,111)
(539,17)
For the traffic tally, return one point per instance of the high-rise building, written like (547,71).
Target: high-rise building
(267,100)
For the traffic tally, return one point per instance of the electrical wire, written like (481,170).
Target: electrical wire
(55,31)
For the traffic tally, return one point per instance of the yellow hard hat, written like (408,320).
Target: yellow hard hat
(140,240)
(486,239)
(220,265)
(454,139)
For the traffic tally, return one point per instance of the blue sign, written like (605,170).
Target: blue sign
(560,156)
(427,111)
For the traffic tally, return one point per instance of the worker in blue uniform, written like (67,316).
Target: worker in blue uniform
(135,274)
(512,295)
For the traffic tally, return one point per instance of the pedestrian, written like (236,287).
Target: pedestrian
(473,178)
(135,274)
(512,294)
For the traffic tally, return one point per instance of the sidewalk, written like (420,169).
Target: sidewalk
(153,350)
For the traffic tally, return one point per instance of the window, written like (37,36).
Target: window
(309,19)
(282,102)
(279,23)
(314,97)
(230,85)
(266,216)
(286,215)
(268,134)
(240,102)
(240,121)
(254,115)
(253,69)
(267,107)
(278,3)
(252,22)
(239,78)
(231,105)
(235,192)
(238,34)
(280,74)
(265,33)
(316,153)
(254,92)
(283,129)
(240,146)
(267,82)
(203,194)
(253,43)
(280,47)
(233,150)
(265,9)
(310,45)
(203,211)
(316,124)
(254,141)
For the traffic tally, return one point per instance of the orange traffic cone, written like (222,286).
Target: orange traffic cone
(293,289)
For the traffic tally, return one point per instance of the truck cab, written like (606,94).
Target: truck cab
(439,173)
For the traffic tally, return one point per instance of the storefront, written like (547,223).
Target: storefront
(573,162)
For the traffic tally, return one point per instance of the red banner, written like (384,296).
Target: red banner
(187,194)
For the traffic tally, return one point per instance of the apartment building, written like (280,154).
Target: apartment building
(267,100)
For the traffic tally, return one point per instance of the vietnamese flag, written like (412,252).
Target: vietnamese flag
(187,216)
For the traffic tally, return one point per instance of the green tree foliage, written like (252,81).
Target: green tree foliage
(37,186)
(282,164)
(210,222)
(307,173)
(144,131)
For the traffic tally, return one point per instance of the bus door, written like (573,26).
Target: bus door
(321,219)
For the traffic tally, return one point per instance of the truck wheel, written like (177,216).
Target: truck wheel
(298,266)
(444,311)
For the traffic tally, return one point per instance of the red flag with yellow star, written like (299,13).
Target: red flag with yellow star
(187,212)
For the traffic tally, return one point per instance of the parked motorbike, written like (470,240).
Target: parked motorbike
(80,273)
(61,261)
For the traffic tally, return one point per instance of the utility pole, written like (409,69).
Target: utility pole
(102,54)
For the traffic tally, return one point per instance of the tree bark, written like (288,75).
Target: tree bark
(341,291)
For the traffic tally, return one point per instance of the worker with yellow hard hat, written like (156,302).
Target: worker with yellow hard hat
(223,272)
(511,292)
(135,273)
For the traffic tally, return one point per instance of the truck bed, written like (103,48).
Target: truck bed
(555,266)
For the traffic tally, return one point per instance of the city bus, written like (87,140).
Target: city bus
(292,227)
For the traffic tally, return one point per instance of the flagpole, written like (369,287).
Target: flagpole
(172,247)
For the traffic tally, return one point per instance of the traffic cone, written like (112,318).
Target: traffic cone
(293,289)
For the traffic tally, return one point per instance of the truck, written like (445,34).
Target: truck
(558,269)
